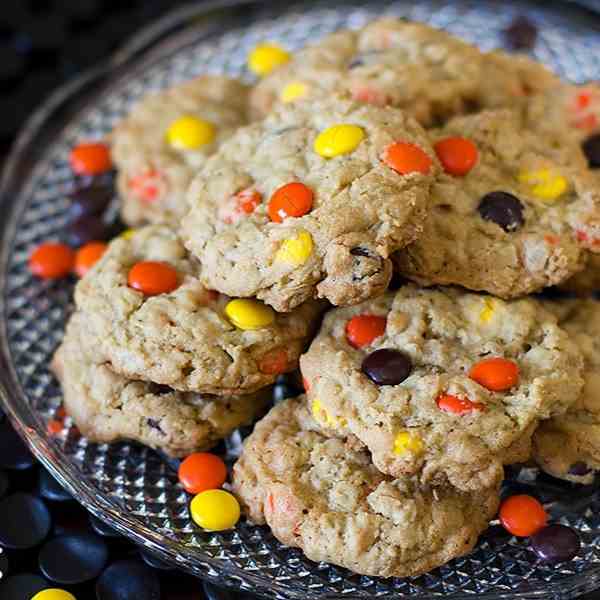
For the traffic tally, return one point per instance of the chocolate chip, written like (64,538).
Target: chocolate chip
(556,543)
(502,208)
(591,149)
(521,34)
(358,251)
(387,366)
(579,469)
(153,424)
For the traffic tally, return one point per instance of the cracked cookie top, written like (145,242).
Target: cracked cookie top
(326,497)
(152,319)
(310,202)
(514,211)
(439,383)
(166,137)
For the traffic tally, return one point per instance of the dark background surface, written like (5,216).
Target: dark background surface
(42,44)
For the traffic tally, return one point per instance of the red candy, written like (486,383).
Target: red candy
(457,155)
(456,405)
(274,363)
(153,278)
(242,204)
(522,515)
(406,158)
(92,158)
(54,426)
(290,200)
(495,374)
(87,256)
(363,329)
(147,186)
(202,471)
(52,260)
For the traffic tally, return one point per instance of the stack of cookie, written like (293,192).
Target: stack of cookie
(367,172)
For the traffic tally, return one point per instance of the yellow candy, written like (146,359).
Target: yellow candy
(267,57)
(338,139)
(128,234)
(293,91)
(215,510)
(249,314)
(296,250)
(487,312)
(190,133)
(545,184)
(407,442)
(322,416)
(53,594)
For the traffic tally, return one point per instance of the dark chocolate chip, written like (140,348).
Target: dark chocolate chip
(73,559)
(24,521)
(502,208)
(521,34)
(387,366)
(359,251)
(154,424)
(591,149)
(556,543)
(579,469)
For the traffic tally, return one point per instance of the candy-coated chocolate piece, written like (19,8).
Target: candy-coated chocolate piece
(297,250)
(487,312)
(591,149)
(274,363)
(91,158)
(153,278)
(522,515)
(362,330)
(406,442)
(502,208)
(266,58)
(406,158)
(52,260)
(293,91)
(458,406)
(202,471)
(387,366)
(249,314)
(190,133)
(215,510)
(556,543)
(322,416)
(87,256)
(53,594)
(496,374)
(457,155)
(545,184)
(290,200)
(338,139)
(90,200)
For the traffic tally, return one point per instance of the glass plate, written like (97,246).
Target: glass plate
(134,489)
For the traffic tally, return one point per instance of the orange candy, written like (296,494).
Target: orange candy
(495,374)
(52,260)
(147,186)
(202,471)
(87,256)
(363,329)
(290,200)
(406,158)
(54,426)
(92,158)
(274,363)
(153,278)
(457,155)
(522,515)
(456,405)
(248,200)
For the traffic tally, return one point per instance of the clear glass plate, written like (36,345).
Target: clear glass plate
(134,489)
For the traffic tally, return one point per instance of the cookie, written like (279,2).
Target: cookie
(153,320)
(326,497)
(568,446)
(107,407)
(310,202)
(425,71)
(166,138)
(442,384)
(513,212)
